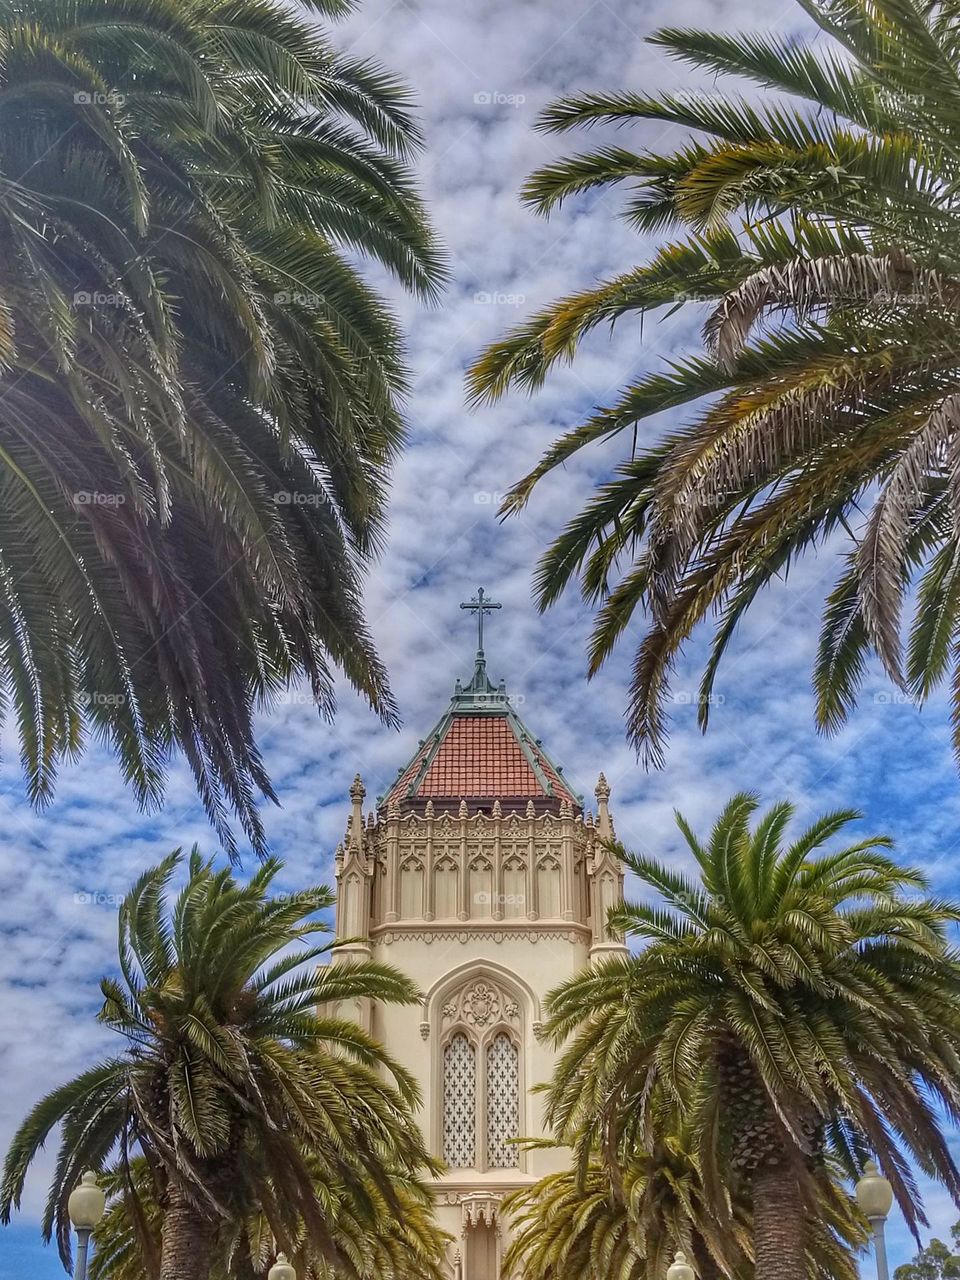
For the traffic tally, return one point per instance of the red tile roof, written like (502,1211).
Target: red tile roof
(480,757)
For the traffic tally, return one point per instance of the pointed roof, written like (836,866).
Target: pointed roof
(480,751)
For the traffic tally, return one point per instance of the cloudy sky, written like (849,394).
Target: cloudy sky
(481,72)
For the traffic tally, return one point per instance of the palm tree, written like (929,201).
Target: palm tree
(575,1225)
(792,1005)
(583,1224)
(198,389)
(241,1099)
(823,237)
(372,1239)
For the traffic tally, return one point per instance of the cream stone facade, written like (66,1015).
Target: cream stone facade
(487,897)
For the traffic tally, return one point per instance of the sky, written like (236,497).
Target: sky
(480,72)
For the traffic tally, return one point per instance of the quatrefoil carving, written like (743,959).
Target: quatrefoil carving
(481,1003)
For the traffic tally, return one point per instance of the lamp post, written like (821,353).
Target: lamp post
(680,1268)
(875,1196)
(281,1269)
(85,1208)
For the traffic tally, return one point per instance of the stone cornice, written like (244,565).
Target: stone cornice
(467,930)
(481,817)
(454,1189)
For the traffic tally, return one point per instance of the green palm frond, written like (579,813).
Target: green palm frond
(822,231)
(792,1007)
(236,1098)
(367,1238)
(569,1225)
(200,390)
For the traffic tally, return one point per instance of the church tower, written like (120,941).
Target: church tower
(480,876)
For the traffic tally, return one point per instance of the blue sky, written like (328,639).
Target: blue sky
(481,73)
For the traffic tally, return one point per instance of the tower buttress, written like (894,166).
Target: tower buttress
(605,873)
(354,867)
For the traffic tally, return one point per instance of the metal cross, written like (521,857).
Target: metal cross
(480,605)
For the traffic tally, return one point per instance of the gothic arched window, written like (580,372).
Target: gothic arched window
(480,1074)
(503,1102)
(460,1103)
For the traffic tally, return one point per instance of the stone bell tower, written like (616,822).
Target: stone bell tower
(481,876)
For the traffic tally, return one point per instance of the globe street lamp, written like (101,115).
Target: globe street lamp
(680,1268)
(875,1196)
(281,1269)
(85,1209)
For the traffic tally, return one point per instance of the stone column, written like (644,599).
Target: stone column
(393,862)
(430,898)
(497,875)
(566,860)
(463,879)
(533,912)
(354,903)
(606,879)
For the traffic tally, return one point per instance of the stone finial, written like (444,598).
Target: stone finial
(588,819)
(497,811)
(566,809)
(531,811)
(338,856)
(604,825)
(428,809)
(463,811)
(371,820)
(357,793)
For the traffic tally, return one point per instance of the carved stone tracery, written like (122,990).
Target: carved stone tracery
(480,1004)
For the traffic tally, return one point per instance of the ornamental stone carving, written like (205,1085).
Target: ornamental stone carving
(527,929)
(480,1210)
(481,1003)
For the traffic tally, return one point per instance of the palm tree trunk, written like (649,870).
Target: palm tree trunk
(187,1241)
(779,1229)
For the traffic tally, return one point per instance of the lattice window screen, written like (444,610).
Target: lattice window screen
(460,1103)
(503,1102)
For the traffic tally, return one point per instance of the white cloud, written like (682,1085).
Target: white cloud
(445,539)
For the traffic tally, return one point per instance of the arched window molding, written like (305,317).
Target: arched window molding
(479,1008)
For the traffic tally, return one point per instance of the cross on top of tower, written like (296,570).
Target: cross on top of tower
(480,605)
